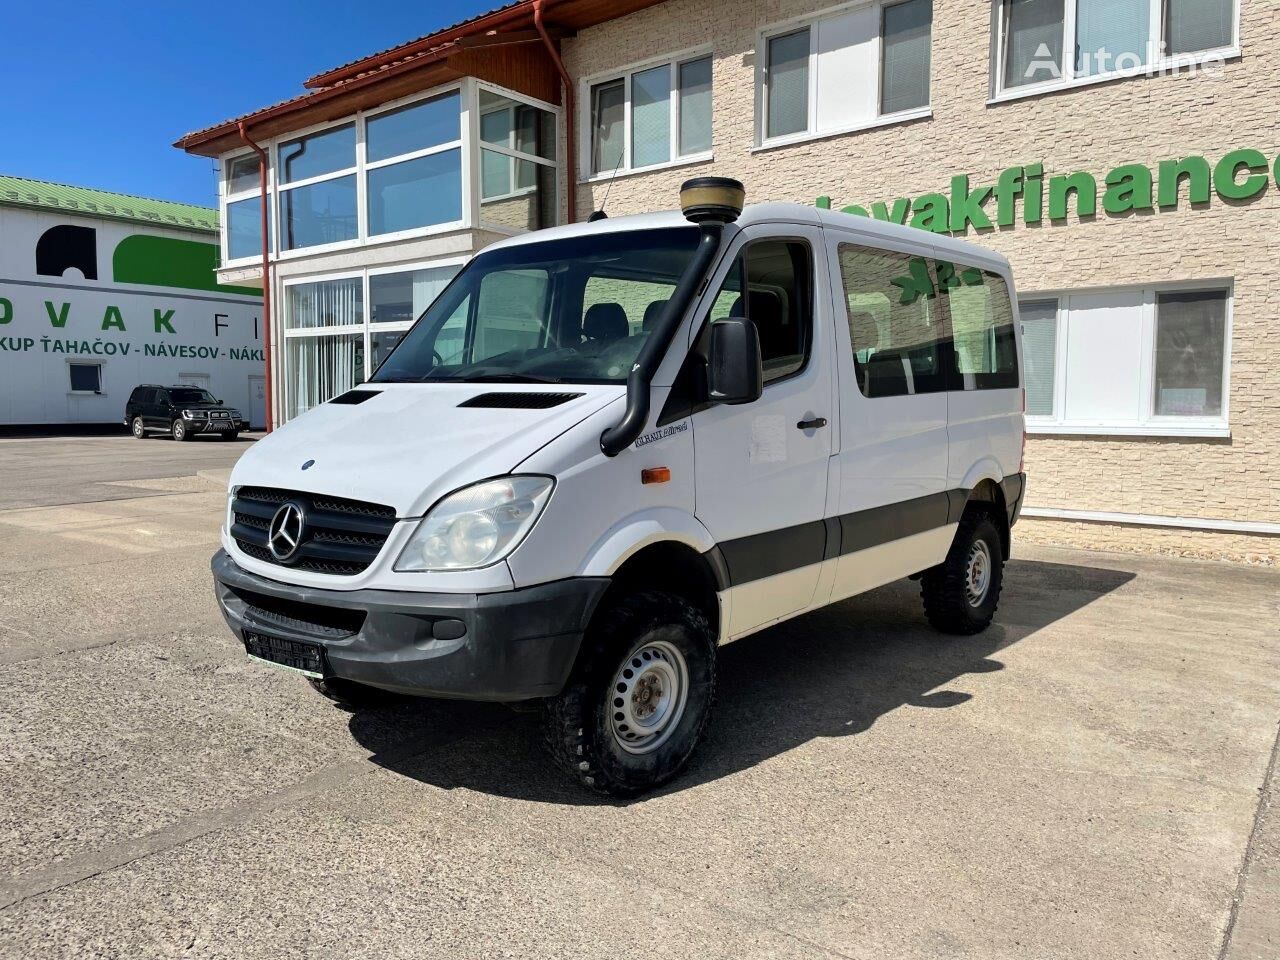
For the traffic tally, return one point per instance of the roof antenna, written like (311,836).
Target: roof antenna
(600,214)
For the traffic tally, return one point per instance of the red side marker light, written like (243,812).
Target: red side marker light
(655,475)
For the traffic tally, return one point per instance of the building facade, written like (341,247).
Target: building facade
(101,292)
(1124,154)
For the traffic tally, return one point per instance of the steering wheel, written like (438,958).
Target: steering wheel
(439,360)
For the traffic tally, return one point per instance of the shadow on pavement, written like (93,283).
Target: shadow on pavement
(830,673)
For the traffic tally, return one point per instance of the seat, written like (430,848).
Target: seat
(884,375)
(605,321)
(651,314)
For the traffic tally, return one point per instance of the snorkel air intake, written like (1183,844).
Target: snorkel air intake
(710,202)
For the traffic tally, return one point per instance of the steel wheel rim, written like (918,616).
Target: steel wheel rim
(648,697)
(179,431)
(977,579)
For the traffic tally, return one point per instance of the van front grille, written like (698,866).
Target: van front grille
(339,536)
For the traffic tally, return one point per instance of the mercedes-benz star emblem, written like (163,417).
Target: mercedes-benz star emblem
(285,532)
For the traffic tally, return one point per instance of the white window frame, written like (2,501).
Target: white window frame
(811,21)
(1156,63)
(226,198)
(1147,424)
(468,141)
(673,62)
(80,361)
(514,155)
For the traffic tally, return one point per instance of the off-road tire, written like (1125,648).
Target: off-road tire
(944,588)
(178,430)
(138,428)
(348,693)
(577,725)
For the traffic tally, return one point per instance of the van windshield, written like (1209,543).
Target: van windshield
(575,310)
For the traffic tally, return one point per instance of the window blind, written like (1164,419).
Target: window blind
(1198,25)
(1033,41)
(1107,30)
(905,77)
(1039,353)
(789,83)
(651,116)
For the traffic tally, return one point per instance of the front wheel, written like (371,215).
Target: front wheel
(639,697)
(961,594)
(179,430)
(230,435)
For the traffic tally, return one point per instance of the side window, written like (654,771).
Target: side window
(986,353)
(778,301)
(895,322)
(161,397)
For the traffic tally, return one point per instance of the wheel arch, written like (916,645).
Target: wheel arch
(988,494)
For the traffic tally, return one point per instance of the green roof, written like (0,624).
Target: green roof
(21,192)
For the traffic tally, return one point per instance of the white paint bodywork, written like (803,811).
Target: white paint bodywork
(412,445)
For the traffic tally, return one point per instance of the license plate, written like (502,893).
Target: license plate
(219,424)
(305,658)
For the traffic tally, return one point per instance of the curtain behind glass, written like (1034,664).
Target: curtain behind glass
(1190,347)
(788,83)
(320,368)
(1033,41)
(1039,354)
(905,81)
(607,112)
(1121,28)
(1198,25)
(328,303)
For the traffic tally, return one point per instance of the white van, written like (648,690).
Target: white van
(609,447)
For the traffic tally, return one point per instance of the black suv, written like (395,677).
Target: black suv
(181,412)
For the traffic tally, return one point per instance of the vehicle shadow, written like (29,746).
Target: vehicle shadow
(833,672)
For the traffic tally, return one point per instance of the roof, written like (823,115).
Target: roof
(43,195)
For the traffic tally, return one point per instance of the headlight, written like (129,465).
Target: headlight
(477,525)
(194,414)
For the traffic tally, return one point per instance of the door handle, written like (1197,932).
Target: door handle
(814,424)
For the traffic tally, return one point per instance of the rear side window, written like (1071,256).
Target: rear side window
(986,353)
(896,324)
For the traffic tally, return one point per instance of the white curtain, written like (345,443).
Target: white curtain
(329,303)
(427,285)
(320,368)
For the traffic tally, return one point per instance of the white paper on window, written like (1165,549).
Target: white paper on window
(1104,358)
(847,69)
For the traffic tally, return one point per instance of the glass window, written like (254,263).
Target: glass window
(325,303)
(1193,25)
(1111,35)
(244,228)
(1033,31)
(325,152)
(402,297)
(608,110)
(524,192)
(415,127)
(516,125)
(906,29)
(778,302)
(1039,355)
(695,106)
(381,343)
(416,193)
(242,174)
(1190,345)
(641,300)
(85,377)
(788,83)
(981,314)
(319,368)
(895,324)
(528,318)
(651,116)
(323,212)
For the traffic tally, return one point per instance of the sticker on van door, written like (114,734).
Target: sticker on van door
(669,430)
(768,440)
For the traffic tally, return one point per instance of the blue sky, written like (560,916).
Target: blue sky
(95,93)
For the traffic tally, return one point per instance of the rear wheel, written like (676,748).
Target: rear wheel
(639,698)
(138,429)
(961,594)
(179,430)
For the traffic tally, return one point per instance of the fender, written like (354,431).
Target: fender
(985,469)
(635,532)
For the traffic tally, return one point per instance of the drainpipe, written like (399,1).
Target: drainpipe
(570,141)
(266,268)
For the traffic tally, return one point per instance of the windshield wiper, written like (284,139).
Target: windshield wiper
(507,378)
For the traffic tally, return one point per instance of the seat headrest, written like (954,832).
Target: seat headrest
(651,314)
(605,321)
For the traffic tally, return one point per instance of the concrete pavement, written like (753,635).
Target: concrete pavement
(1087,779)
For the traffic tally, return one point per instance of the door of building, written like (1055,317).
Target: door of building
(258,403)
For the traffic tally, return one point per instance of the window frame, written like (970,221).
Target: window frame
(513,156)
(80,362)
(1157,63)
(673,62)
(810,21)
(1148,424)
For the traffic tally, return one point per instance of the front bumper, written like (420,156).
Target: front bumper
(513,645)
(208,425)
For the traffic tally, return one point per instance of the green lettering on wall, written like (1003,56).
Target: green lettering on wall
(1033,199)
(112,319)
(901,208)
(57,318)
(966,206)
(931,212)
(823,203)
(1083,185)
(6,310)
(1224,175)
(1195,169)
(855,210)
(162,320)
(1008,189)
(1128,188)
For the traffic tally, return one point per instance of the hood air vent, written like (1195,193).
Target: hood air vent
(353,397)
(519,401)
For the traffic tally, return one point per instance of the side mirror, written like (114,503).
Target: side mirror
(734,371)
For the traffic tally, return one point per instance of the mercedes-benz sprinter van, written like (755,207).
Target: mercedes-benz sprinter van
(607,448)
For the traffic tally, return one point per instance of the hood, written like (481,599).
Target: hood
(410,443)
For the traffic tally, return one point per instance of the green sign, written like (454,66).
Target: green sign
(1240,176)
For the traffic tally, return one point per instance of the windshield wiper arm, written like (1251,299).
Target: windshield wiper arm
(507,378)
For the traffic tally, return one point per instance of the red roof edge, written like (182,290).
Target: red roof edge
(467,28)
